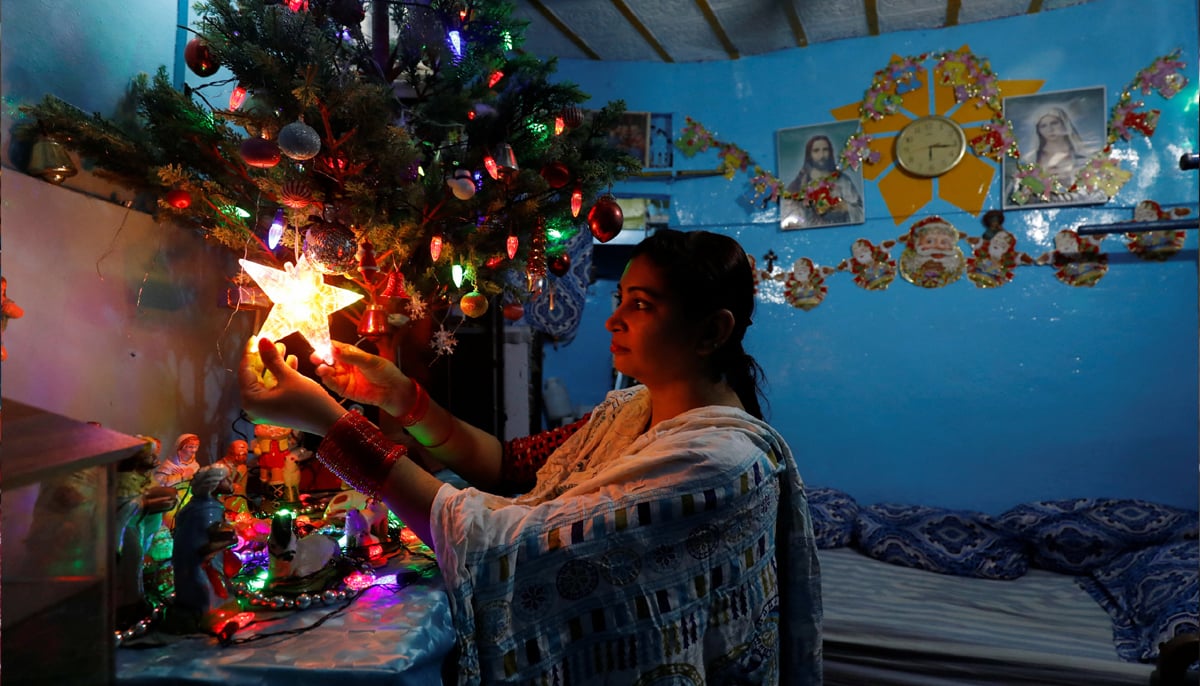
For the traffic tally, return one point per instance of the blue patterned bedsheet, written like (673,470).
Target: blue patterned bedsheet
(887,624)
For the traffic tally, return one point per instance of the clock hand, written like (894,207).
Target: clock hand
(943,145)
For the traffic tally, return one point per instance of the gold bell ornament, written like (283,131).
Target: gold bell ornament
(51,161)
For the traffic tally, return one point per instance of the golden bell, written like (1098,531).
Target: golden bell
(374,322)
(51,161)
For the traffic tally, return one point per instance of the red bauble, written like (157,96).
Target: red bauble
(572,116)
(560,264)
(556,174)
(179,199)
(260,152)
(474,304)
(605,219)
(296,195)
(199,58)
(513,311)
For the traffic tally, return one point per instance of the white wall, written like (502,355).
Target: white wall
(122,323)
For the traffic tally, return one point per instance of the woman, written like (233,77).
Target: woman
(1060,155)
(666,538)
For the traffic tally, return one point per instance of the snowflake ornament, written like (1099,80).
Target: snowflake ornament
(417,309)
(443,341)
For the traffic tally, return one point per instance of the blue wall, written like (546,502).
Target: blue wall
(958,396)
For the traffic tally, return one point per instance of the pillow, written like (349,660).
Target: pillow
(834,517)
(1152,595)
(1075,536)
(939,540)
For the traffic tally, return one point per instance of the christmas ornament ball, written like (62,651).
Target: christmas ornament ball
(331,247)
(296,195)
(572,116)
(199,58)
(605,219)
(179,199)
(556,174)
(474,304)
(261,116)
(462,185)
(560,264)
(513,311)
(260,152)
(299,141)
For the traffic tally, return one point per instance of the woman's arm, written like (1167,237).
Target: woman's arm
(359,376)
(353,448)
(468,451)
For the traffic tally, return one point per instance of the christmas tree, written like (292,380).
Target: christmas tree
(393,157)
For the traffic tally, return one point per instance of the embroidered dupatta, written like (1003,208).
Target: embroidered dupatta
(681,555)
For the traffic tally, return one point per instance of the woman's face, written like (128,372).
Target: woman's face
(1051,126)
(651,340)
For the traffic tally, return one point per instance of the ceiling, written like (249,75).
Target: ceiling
(707,30)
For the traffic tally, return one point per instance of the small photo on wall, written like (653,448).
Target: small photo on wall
(631,135)
(808,164)
(1057,133)
(662,148)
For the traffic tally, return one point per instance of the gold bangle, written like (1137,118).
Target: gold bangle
(449,435)
(419,409)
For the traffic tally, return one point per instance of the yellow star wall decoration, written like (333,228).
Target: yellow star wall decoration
(302,302)
(963,89)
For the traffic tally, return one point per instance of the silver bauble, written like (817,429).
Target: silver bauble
(299,141)
(331,247)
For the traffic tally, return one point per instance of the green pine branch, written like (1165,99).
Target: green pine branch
(392,131)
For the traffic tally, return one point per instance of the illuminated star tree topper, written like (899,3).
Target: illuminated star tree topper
(303,302)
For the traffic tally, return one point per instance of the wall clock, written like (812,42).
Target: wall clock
(930,146)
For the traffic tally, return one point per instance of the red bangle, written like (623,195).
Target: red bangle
(419,409)
(359,454)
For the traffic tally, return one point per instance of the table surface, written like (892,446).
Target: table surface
(393,633)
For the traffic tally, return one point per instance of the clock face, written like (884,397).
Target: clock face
(930,146)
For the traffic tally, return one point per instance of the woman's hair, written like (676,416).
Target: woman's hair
(707,272)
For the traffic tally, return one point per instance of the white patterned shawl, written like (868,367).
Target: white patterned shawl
(681,556)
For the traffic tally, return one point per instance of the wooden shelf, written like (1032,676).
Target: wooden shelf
(37,445)
(58,591)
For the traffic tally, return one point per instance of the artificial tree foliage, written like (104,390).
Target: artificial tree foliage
(398,108)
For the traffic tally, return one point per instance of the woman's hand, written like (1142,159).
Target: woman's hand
(293,400)
(365,378)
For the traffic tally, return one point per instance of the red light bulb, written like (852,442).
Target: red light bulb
(237,97)
(576,201)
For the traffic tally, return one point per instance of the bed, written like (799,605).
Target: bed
(1078,592)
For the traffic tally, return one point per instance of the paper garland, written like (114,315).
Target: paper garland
(1155,246)
(932,257)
